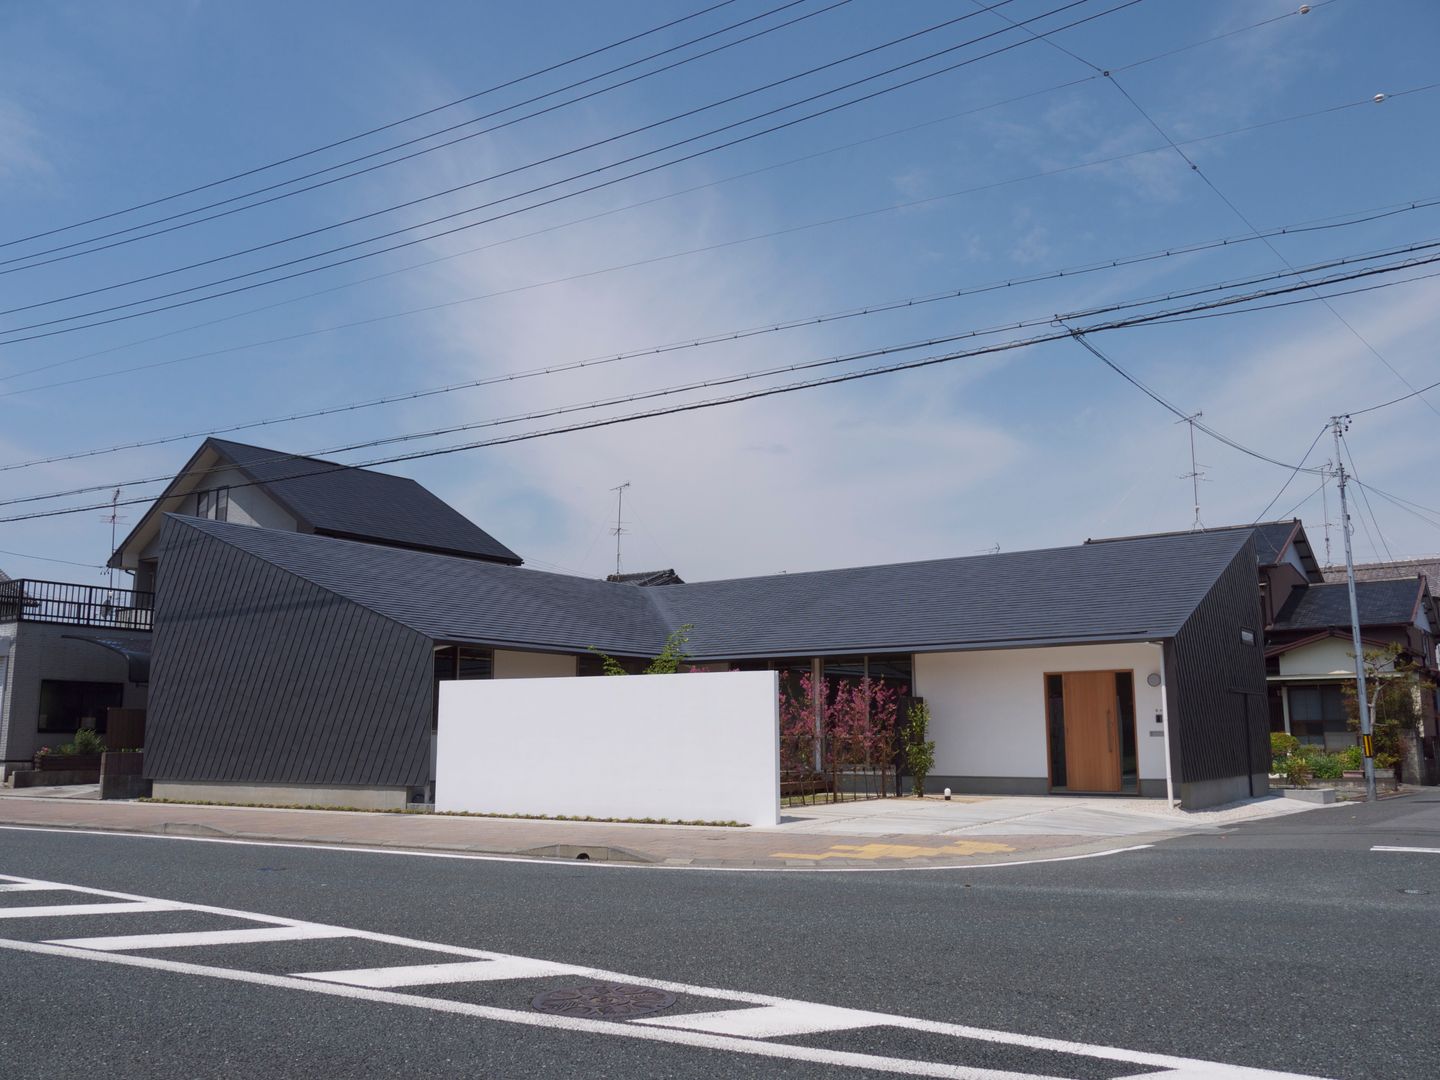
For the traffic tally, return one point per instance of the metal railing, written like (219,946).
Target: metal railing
(28,600)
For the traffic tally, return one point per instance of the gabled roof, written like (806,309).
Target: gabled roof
(1380,603)
(1138,590)
(338,500)
(1272,540)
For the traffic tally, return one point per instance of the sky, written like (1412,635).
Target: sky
(1050,155)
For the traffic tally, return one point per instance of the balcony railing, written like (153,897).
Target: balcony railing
(28,600)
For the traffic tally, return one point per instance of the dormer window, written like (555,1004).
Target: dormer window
(214,504)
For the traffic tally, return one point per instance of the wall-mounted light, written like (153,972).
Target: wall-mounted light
(1153,678)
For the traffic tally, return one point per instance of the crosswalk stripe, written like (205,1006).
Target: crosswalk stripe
(516,967)
(769,1021)
(129,942)
(120,908)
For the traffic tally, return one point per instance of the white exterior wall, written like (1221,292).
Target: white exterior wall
(1328,657)
(684,747)
(248,506)
(987,709)
(533,665)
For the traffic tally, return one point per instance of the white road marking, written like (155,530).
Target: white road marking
(1163,1062)
(26,887)
(547,861)
(1409,850)
(752,1047)
(53,910)
(465,971)
(135,942)
(769,1021)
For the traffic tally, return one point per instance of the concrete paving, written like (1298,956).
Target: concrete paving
(882,833)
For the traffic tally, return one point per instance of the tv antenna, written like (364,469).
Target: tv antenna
(619,529)
(114,519)
(1194,475)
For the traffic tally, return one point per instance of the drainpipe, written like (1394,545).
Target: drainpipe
(1165,727)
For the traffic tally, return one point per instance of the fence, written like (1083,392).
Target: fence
(29,600)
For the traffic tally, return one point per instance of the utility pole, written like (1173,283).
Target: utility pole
(1362,700)
(619,529)
(1194,475)
(1325,473)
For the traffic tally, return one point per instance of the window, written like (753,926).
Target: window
(213,504)
(1318,716)
(64,704)
(463,662)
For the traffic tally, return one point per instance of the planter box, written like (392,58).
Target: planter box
(26,778)
(67,762)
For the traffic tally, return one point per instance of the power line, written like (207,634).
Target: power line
(396,247)
(806,321)
(1293,473)
(48,558)
(1354,473)
(660,198)
(33,260)
(375,130)
(509,213)
(783,369)
(1064,332)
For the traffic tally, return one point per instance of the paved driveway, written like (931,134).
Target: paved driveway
(1049,815)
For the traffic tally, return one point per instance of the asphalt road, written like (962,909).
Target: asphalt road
(1288,945)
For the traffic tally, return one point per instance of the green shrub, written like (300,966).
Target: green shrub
(87,741)
(1282,745)
(1326,766)
(1297,771)
(1352,758)
(919,750)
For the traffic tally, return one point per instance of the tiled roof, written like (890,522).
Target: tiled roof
(647,577)
(1380,603)
(1405,568)
(1132,590)
(362,504)
(1271,537)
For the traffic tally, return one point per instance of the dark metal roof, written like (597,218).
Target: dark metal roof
(1381,603)
(1133,590)
(1272,538)
(361,504)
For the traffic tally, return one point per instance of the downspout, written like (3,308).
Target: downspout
(1165,728)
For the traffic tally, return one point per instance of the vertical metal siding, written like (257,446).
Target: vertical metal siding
(1220,722)
(261,677)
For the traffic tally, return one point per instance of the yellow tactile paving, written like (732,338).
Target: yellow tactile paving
(897,851)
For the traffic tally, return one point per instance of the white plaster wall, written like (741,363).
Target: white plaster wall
(1329,656)
(691,747)
(987,709)
(533,665)
(248,506)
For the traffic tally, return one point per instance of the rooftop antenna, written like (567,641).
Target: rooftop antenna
(1327,472)
(1194,475)
(114,519)
(619,529)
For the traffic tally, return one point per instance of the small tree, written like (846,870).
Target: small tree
(919,749)
(1395,684)
(672,657)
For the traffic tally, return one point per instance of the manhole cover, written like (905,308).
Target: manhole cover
(603,1001)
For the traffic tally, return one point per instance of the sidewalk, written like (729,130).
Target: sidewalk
(889,833)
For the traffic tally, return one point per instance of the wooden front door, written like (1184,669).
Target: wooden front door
(1092,732)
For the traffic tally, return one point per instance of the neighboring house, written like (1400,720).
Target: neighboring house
(304,668)
(647,577)
(250,485)
(68,653)
(1310,658)
(1428,566)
